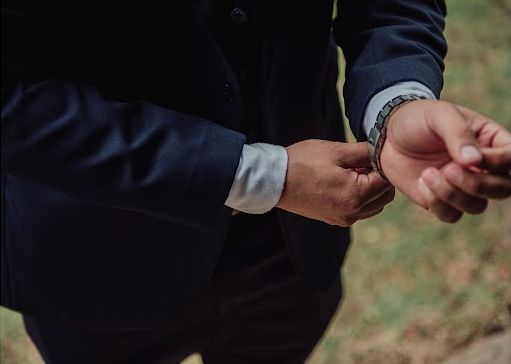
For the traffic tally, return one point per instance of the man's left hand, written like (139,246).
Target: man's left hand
(447,158)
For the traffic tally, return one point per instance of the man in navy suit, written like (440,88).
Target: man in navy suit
(175,178)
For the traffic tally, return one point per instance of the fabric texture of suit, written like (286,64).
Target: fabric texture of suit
(256,310)
(122,128)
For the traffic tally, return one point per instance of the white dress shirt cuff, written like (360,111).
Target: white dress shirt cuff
(379,100)
(260,178)
(262,169)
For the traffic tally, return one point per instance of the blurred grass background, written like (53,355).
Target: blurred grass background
(415,290)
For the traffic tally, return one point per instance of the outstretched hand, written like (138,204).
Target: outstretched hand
(447,158)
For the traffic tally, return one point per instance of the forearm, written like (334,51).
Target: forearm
(135,156)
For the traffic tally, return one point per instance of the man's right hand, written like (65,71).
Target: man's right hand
(333,182)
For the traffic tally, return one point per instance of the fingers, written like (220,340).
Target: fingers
(372,214)
(364,196)
(489,132)
(497,160)
(441,210)
(454,190)
(450,195)
(376,205)
(478,184)
(459,139)
(353,155)
(371,186)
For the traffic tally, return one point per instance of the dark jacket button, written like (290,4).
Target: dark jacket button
(238,15)
(228,93)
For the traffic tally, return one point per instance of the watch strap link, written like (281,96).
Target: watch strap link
(378,132)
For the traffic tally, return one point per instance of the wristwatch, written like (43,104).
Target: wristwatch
(378,132)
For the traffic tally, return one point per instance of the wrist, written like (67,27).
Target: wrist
(282,201)
(378,133)
(379,100)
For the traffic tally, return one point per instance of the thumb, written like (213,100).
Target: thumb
(459,139)
(354,155)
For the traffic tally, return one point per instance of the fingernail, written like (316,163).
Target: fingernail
(430,177)
(470,154)
(454,175)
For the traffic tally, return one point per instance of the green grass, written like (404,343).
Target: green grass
(414,283)
(15,346)
(416,289)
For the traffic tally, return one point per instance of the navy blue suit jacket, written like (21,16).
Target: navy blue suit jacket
(122,128)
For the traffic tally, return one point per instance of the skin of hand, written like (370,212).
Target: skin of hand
(447,158)
(333,182)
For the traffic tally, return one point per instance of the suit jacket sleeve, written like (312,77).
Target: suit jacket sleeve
(386,42)
(127,155)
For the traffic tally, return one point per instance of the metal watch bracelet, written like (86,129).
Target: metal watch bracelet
(378,132)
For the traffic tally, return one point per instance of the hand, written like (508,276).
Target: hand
(455,190)
(427,135)
(332,182)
